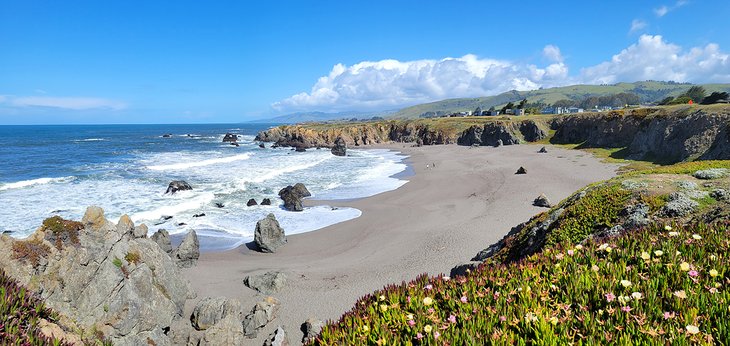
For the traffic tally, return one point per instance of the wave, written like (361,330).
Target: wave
(40,181)
(186,165)
(174,210)
(89,140)
(289,169)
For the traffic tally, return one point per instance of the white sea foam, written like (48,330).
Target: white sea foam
(192,164)
(40,181)
(89,140)
(191,202)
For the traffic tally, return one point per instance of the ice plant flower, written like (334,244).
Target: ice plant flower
(594,268)
(624,299)
(365,328)
(419,336)
(658,253)
(626,283)
(645,256)
(684,266)
(696,236)
(446,278)
(680,294)
(383,307)
(673,234)
(692,329)
(427,328)
(411,323)
(464,299)
(713,257)
(428,287)
(693,273)
(668,315)
(436,335)
(637,295)
(427,301)
(667,228)
(553,320)
(409,316)
(626,308)
(452,319)
(382,297)
(570,252)
(504,318)
(579,247)
(610,297)
(713,273)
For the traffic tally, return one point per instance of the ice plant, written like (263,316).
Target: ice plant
(713,273)
(684,266)
(645,256)
(610,297)
(692,329)
(626,283)
(693,273)
(427,301)
(427,328)
(658,253)
(696,236)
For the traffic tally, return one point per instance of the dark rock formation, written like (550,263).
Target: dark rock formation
(162,238)
(300,149)
(267,283)
(199,215)
(521,170)
(167,135)
(219,205)
(266,201)
(178,185)
(531,132)
(541,201)
(340,147)
(188,252)
(262,146)
(251,202)
(464,268)
(543,150)
(269,236)
(230,137)
(292,196)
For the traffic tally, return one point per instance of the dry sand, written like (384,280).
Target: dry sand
(443,216)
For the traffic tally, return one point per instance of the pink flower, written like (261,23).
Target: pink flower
(693,273)
(419,336)
(610,297)
(436,335)
(411,323)
(668,315)
(464,300)
(570,252)
(452,319)
(428,287)
(626,308)
(408,299)
(502,318)
(431,310)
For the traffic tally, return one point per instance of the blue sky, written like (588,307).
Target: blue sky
(186,62)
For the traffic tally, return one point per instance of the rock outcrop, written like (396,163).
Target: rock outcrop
(178,185)
(251,202)
(230,138)
(277,338)
(269,235)
(292,196)
(103,278)
(262,313)
(188,252)
(162,238)
(266,201)
(340,147)
(504,132)
(211,310)
(521,170)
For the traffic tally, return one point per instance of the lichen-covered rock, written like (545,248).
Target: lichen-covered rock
(720,194)
(679,205)
(636,216)
(712,173)
(269,235)
(262,313)
(266,283)
(211,310)
(188,252)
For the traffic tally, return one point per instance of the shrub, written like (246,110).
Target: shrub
(62,231)
(133,257)
(31,250)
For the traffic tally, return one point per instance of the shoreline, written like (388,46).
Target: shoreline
(442,217)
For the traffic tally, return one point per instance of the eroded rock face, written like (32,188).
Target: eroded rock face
(188,252)
(340,147)
(125,287)
(178,185)
(269,236)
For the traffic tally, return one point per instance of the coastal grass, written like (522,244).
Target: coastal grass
(658,285)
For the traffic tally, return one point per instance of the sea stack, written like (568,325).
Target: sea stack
(340,147)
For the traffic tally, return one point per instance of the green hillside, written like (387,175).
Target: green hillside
(648,91)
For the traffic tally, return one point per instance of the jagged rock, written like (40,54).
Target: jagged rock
(521,170)
(541,201)
(234,144)
(209,311)
(267,283)
(251,202)
(464,268)
(266,201)
(311,328)
(720,194)
(162,238)
(636,216)
(125,225)
(543,150)
(269,236)
(277,338)
(228,331)
(679,205)
(531,131)
(188,252)
(167,135)
(262,313)
(178,185)
(230,137)
(340,147)
(292,196)
(712,173)
(140,231)
(127,287)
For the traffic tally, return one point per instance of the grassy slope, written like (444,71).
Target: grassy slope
(569,292)
(649,90)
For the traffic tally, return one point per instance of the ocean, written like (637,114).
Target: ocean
(125,169)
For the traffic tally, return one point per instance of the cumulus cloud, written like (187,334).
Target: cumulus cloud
(71,103)
(552,53)
(391,83)
(637,25)
(654,58)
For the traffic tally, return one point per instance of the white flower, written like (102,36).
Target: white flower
(692,329)
(637,295)
(626,283)
(696,236)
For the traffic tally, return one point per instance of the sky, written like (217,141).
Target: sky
(88,62)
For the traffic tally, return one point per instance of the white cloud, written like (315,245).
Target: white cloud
(71,103)
(654,58)
(392,83)
(661,11)
(552,53)
(637,25)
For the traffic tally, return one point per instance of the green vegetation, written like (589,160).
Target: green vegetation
(117,262)
(652,286)
(31,250)
(133,257)
(20,315)
(62,231)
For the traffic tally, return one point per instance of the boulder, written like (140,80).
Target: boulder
(266,201)
(712,173)
(228,331)
(269,236)
(277,338)
(340,147)
(262,313)
(209,311)
(300,189)
(162,238)
(679,205)
(542,150)
(541,201)
(167,135)
(262,146)
(251,202)
(267,283)
(521,170)
(230,138)
(720,194)
(178,185)
(636,216)
(199,215)
(292,196)
(188,252)
(125,225)
(531,131)
(311,328)
(219,205)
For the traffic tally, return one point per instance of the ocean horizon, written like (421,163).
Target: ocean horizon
(125,169)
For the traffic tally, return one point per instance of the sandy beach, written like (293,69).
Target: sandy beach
(443,216)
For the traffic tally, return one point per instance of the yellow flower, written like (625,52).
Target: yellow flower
(427,328)
(382,297)
(409,316)
(667,228)
(579,247)
(626,283)
(696,236)
(383,307)
(692,329)
(365,328)
(608,249)
(684,266)
(713,257)
(645,256)
(713,273)
(658,253)
(427,301)
(554,320)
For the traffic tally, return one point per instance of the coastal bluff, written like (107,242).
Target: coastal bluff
(662,134)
